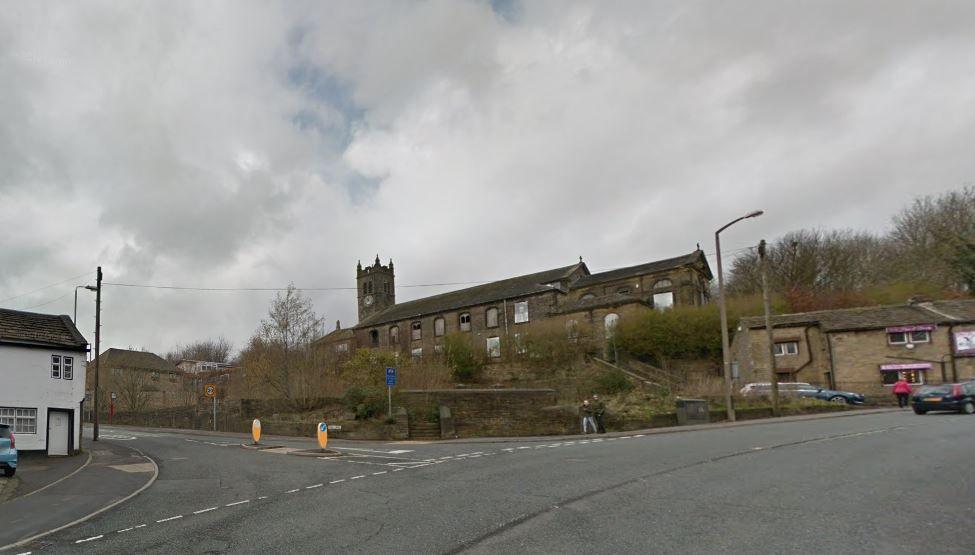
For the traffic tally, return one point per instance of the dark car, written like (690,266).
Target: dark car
(833,396)
(958,397)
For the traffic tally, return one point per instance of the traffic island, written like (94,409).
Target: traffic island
(259,446)
(315,453)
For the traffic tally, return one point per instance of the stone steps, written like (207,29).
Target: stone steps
(424,430)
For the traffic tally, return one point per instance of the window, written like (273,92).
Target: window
(494,347)
(623,291)
(172,376)
(572,329)
(374,337)
(663,284)
(155,376)
(465,321)
(491,317)
(117,372)
(913,376)
(342,348)
(439,326)
(416,331)
(394,335)
(663,301)
(905,337)
(786,348)
(23,421)
(609,322)
(368,287)
(365,288)
(923,336)
(67,368)
(897,338)
(56,367)
(588,296)
(386,287)
(417,352)
(438,348)
(521,312)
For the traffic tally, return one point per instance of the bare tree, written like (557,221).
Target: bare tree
(134,390)
(209,350)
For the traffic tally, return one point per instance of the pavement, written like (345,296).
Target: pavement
(874,482)
(58,493)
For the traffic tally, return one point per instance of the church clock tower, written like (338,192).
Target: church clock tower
(376,289)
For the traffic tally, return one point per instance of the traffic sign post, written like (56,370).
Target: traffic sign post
(256,431)
(210,390)
(390,382)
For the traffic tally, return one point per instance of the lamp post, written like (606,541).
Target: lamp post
(88,287)
(725,354)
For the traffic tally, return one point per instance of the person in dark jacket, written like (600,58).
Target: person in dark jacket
(587,421)
(599,411)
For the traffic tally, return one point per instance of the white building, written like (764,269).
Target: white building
(42,380)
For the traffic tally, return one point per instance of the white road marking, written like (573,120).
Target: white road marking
(378,473)
(473,456)
(93,538)
(237,503)
(132,528)
(357,477)
(393,452)
(170,518)
(640,435)
(314,486)
(524,448)
(337,481)
(262,497)
(293,490)
(201,511)
(627,437)
(25,553)
(397,469)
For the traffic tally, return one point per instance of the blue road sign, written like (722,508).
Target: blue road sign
(322,427)
(390,376)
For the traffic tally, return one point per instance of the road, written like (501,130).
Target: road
(878,483)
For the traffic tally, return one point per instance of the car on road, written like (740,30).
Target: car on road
(803,389)
(834,396)
(8,451)
(958,397)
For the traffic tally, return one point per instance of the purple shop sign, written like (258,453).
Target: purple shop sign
(896,367)
(905,329)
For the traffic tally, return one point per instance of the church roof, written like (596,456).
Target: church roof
(648,268)
(515,287)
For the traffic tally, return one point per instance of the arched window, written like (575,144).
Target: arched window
(491,317)
(386,287)
(609,322)
(394,335)
(365,288)
(374,337)
(663,284)
(572,329)
(439,326)
(416,331)
(588,296)
(465,321)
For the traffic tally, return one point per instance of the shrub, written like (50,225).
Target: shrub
(364,402)
(464,361)
(613,382)
(679,333)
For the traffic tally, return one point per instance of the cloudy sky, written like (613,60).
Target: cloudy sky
(255,144)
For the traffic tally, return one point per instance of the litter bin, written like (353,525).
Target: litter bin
(692,411)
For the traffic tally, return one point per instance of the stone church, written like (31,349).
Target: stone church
(497,314)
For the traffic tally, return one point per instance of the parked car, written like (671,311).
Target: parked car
(8,451)
(765,388)
(950,396)
(833,396)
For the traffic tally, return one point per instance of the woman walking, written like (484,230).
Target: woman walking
(587,419)
(903,391)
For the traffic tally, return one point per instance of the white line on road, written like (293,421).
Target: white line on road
(397,469)
(201,511)
(131,528)
(314,486)
(337,481)
(393,452)
(170,518)
(357,477)
(93,538)
(378,473)
(293,490)
(237,503)
(262,497)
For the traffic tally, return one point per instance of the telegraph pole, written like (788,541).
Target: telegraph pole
(763,263)
(98,344)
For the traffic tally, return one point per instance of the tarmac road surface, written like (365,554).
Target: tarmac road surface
(875,483)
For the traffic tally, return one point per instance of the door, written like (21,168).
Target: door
(58,432)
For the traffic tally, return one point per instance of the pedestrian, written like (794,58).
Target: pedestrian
(599,410)
(587,420)
(903,391)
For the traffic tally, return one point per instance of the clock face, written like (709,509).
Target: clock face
(367,300)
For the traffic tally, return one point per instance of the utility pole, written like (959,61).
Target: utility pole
(763,263)
(98,344)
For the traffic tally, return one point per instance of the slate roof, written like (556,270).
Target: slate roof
(141,360)
(648,268)
(43,330)
(480,294)
(603,301)
(875,317)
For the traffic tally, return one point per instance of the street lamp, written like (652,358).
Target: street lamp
(725,354)
(88,287)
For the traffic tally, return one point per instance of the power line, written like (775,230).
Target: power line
(49,302)
(43,288)
(265,289)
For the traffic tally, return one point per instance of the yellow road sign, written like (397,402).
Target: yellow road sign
(210,390)
(322,434)
(256,430)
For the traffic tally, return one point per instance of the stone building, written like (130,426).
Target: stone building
(140,380)
(862,349)
(498,314)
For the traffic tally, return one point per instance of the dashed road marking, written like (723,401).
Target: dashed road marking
(357,477)
(337,481)
(93,538)
(237,503)
(201,511)
(293,490)
(314,486)
(378,473)
(170,518)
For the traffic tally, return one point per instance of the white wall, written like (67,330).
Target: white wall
(26,382)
